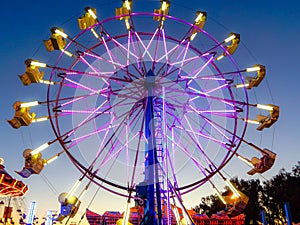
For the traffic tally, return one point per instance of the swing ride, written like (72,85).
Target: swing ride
(9,188)
(149,113)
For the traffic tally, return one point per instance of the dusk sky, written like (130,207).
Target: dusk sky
(270,34)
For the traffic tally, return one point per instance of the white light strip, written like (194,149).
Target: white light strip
(52,159)
(46,82)
(251,121)
(253,69)
(38,64)
(90,11)
(164,6)
(198,17)
(41,119)
(241,85)
(127,5)
(73,189)
(244,160)
(39,149)
(59,32)
(229,38)
(67,52)
(265,107)
(94,33)
(29,104)
(219,195)
(232,188)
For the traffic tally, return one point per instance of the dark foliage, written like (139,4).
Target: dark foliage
(270,196)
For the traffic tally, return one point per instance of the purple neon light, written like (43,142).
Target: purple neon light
(135,42)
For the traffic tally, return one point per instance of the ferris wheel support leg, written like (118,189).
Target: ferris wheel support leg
(151,173)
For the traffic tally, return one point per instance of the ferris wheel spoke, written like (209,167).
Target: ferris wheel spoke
(76,85)
(111,55)
(168,63)
(182,63)
(90,118)
(157,47)
(127,50)
(145,48)
(193,138)
(137,155)
(113,152)
(198,71)
(165,44)
(220,129)
(201,134)
(129,90)
(231,102)
(126,53)
(112,141)
(197,163)
(170,162)
(105,128)
(209,121)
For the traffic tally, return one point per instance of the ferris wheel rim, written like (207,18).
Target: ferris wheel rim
(86,170)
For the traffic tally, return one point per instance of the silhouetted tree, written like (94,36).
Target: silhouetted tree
(209,205)
(284,187)
(270,197)
(251,188)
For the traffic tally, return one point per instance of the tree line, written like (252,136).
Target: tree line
(268,196)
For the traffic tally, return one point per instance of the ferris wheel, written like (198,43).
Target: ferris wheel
(145,105)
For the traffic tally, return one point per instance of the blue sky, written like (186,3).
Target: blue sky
(269,30)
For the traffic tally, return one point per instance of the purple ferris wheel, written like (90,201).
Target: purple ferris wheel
(145,105)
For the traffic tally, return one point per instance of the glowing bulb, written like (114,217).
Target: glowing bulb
(90,11)
(67,52)
(198,17)
(253,69)
(233,196)
(193,36)
(38,64)
(230,38)
(127,24)
(94,33)
(164,6)
(39,149)
(41,119)
(46,82)
(251,121)
(127,5)
(244,160)
(73,189)
(29,104)
(241,85)
(59,32)
(220,57)
(52,159)
(265,107)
